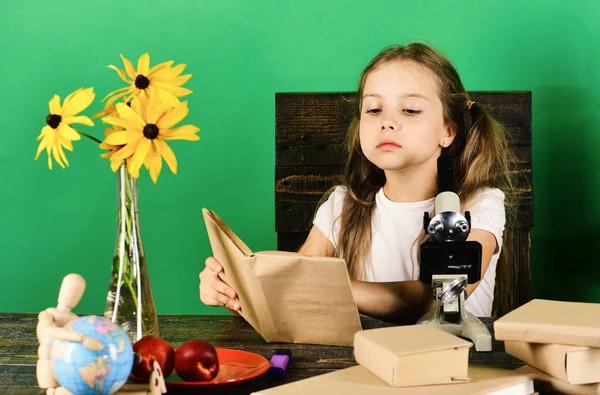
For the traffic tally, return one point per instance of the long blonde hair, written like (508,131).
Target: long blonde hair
(480,148)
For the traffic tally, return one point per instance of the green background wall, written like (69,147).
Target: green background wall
(241,53)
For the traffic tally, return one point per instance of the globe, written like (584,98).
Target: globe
(82,371)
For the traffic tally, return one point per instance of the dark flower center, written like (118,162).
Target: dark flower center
(150,131)
(141,82)
(53,120)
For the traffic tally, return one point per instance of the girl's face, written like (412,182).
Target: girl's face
(401,122)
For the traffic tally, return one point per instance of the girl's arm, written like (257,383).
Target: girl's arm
(407,301)
(489,246)
(317,244)
(393,301)
(400,301)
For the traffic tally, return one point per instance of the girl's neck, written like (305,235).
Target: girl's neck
(414,184)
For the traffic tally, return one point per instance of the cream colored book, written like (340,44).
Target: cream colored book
(552,322)
(358,381)
(286,297)
(545,383)
(571,364)
(398,354)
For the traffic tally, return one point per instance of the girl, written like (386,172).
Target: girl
(412,107)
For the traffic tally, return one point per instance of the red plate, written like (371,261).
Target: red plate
(235,366)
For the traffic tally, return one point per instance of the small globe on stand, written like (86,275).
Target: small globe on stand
(82,371)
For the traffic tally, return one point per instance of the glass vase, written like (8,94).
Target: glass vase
(129,302)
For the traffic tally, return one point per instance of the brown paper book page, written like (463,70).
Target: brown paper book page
(549,321)
(310,298)
(357,380)
(287,297)
(232,236)
(231,252)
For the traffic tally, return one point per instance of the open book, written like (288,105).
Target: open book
(285,296)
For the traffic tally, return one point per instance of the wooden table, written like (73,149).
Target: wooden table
(18,350)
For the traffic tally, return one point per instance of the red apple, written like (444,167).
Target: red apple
(196,360)
(150,349)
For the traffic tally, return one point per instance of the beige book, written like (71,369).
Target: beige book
(572,364)
(286,297)
(358,380)
(544,382)
(398,355)
(550,321)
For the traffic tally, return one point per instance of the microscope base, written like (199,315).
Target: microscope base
(470,328)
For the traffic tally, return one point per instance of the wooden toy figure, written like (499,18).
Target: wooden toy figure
(54,331)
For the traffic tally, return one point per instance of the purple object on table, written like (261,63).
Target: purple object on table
(279,362)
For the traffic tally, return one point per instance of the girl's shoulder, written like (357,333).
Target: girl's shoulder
(334,198)
(487,194)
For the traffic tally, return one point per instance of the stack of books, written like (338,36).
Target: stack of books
(414,359)
(559,342)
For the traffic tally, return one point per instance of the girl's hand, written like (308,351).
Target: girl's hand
(213,291)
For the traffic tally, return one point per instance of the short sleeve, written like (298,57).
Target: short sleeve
(488,213)
(328,215)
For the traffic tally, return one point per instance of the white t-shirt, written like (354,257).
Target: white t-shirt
(395,227)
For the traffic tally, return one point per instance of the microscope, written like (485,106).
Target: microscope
(449,262)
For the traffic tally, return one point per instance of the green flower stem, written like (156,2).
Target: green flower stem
(88,136)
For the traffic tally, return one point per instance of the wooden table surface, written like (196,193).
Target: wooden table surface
(18,350)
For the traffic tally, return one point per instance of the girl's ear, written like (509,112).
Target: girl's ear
(447,136)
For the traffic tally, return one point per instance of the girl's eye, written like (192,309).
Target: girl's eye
(410,111)
(374,111)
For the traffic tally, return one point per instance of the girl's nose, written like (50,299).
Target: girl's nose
(388,124)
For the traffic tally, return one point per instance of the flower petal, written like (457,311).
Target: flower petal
(153,162)
(139,105)
(138,157)
(43,143)
(68,132)
(126,151)
(54,105)
(178,81)
(158,67)
(175,90)
(56,154)
(79,102)
(122,138)
(185,132)
(144,64)
(115,164)
(65,142)
(70,95)
(112,100)
(121,73)
(166,153)
(128,114)
(62,154)
(168,98)
(118,122)
(78,119)
(175,116)
(131,73)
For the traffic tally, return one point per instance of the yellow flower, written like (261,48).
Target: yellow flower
(111,148)
(58,133)
(146,125)
(161,81)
